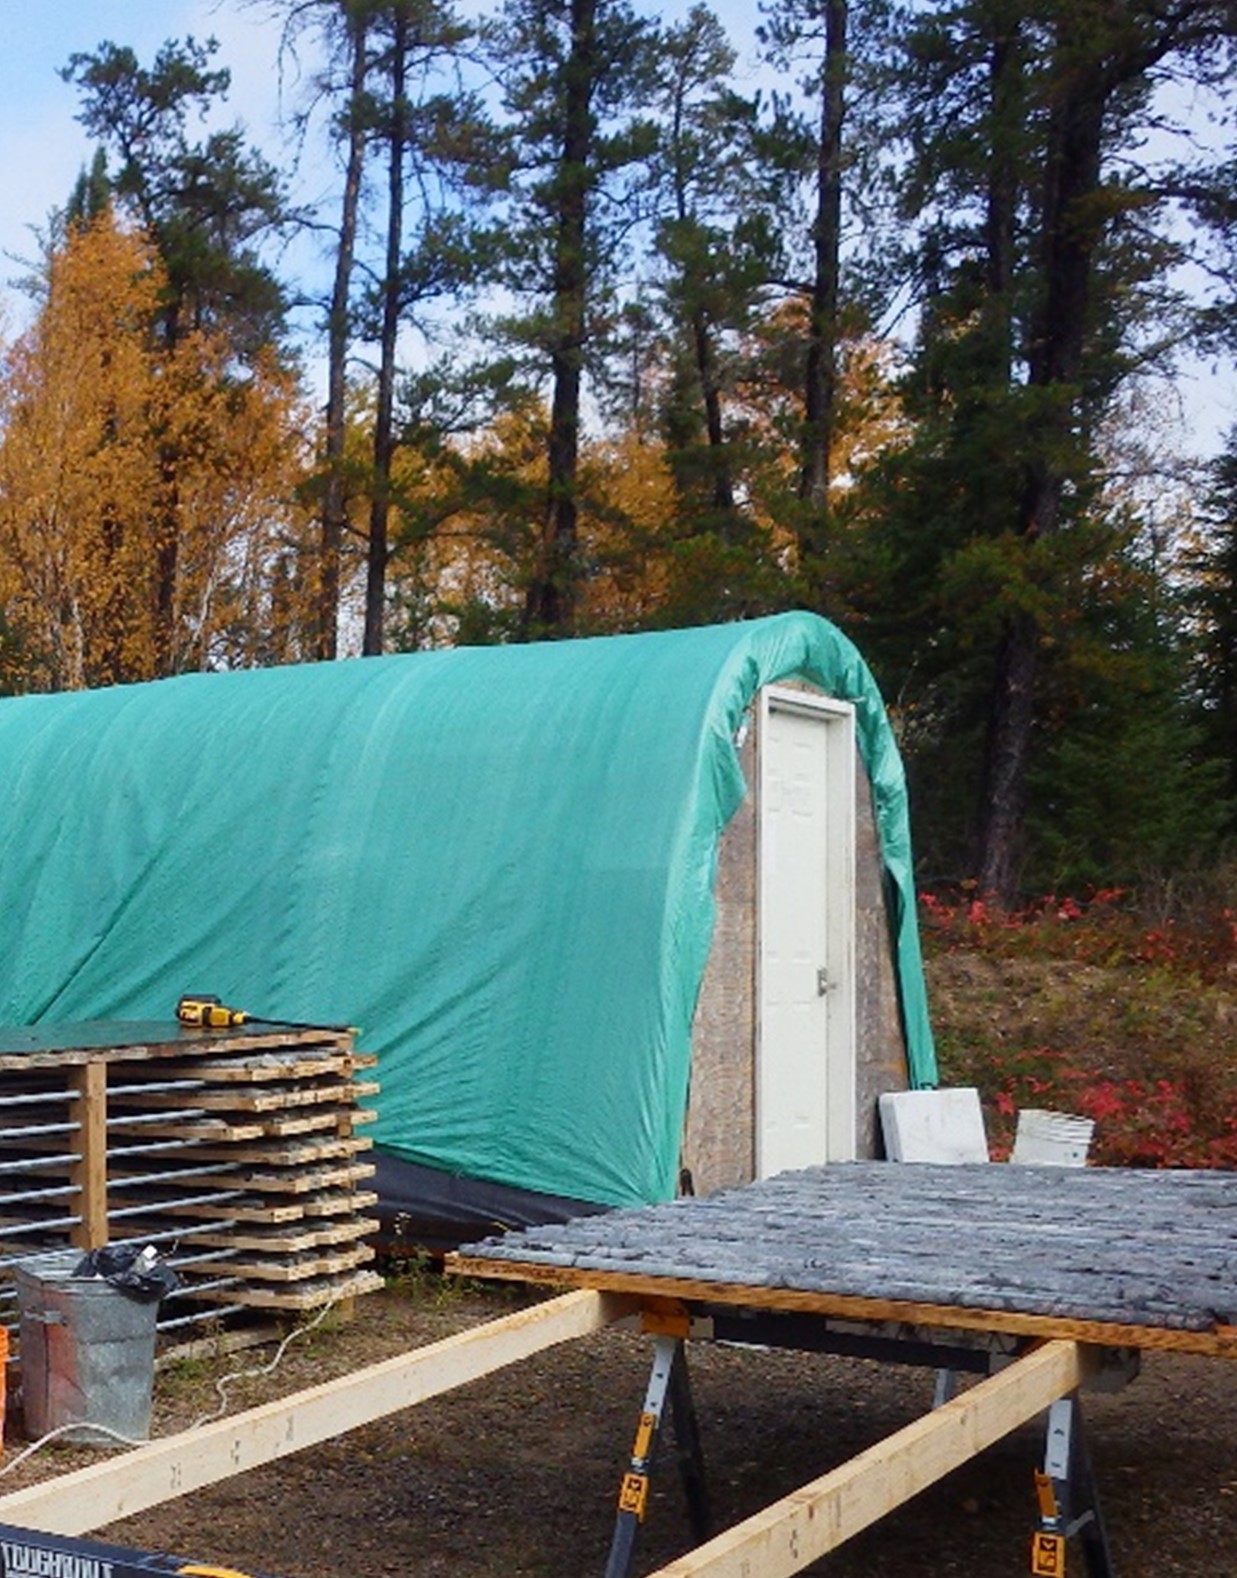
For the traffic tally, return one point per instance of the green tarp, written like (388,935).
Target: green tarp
(497,862)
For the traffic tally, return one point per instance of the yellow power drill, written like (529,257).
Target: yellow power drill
(208,1013)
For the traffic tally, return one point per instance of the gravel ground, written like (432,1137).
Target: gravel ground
(517,1474)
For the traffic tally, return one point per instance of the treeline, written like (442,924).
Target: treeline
(613,341)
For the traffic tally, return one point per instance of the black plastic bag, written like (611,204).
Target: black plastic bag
(135,1269)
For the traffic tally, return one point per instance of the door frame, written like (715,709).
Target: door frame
(838,789)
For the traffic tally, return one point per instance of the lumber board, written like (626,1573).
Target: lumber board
(1219,1342)
(128,1041)
(290,1152)
(194,1128)
(268,1066)
(798,1530)
(295,1296)
(88,1083)
(259,1208)
(264,1098)
(290,1237)
(297,1267)
(256,1126)
(119,1486)
(1110,1255)
(285,1181)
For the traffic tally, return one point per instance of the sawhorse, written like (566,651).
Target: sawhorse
(1068,1499)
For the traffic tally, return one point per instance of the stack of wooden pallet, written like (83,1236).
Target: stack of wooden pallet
(239,1152)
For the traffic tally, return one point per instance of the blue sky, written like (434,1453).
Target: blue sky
(42,148)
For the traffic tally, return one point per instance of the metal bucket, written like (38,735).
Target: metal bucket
(87,1352)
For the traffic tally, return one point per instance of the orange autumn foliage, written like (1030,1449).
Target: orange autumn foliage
(144,493)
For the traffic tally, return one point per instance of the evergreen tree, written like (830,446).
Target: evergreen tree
(342,29)
(1044,260)
(91,194)
(825,139)
(574,76)
(1213,602)
(432,132)
(207,204)
(716,245)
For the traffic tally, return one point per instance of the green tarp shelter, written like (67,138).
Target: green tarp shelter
(496,862)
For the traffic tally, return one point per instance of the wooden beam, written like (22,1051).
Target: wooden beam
(91,1497)
(1218,1341)
(88,1174)
(809,1523)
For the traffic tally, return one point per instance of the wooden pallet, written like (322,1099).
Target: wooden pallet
(241,1142)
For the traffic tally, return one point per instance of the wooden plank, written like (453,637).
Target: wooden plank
(297,1296)
(64,1046)
(256,1208)
(290,1181)
(263,1069)
(1219,1342)
(119,1486)
(261,1098)
(88,1174)
(233,1130)
(292,1153)
(287,1268)
(809,1523)
(206,1129)
(291,1238)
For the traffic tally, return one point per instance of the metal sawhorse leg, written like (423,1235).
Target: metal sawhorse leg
(1068,1498)
(667,1381)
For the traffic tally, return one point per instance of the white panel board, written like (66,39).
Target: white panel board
(933,1126)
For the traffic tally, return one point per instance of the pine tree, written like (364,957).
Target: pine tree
(206,204)
(1042,257)
(574,74)
(716,245)
(1213,602)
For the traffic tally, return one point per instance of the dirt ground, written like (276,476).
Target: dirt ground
(517,1474)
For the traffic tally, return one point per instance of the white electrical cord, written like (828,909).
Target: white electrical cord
(60,1430)
(224,1381)
(221,1386)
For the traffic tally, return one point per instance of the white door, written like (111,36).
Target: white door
(805,1044)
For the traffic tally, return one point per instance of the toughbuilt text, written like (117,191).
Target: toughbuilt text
(33,1561)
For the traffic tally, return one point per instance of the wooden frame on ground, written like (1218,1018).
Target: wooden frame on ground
(781,1540)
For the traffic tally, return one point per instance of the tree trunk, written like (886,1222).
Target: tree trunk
(334,501)
(1070,232)
(821,372)
(1001,205)
(384,446)
(550,603)
(703,350)
(1006,759)
(706,371)
(168,526)
(167,561)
